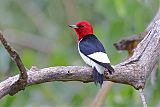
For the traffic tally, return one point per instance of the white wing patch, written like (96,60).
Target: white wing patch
(99,68)
(97,56)
(100,57)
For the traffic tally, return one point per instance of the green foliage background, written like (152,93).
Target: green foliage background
(112,20)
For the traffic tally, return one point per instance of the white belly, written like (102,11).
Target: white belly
(87,60)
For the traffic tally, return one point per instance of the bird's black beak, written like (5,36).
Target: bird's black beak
(73,26)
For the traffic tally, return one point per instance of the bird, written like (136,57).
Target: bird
(92,51)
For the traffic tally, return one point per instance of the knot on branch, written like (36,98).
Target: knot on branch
(18,86)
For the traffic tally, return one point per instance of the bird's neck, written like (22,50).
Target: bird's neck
(86,37)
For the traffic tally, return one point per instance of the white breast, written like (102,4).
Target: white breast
(86,59)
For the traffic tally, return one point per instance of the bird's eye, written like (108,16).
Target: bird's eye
(82,26)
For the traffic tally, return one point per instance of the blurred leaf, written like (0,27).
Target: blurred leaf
(4,60)
(28,58)
(59,57)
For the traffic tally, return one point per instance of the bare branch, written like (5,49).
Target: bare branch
(36,76)
(22,82)
(141,93)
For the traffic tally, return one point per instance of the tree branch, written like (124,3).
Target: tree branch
(22,81)
(141,93)
(127,44)
(134,71)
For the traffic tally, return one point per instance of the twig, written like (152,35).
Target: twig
(101,95)
(141,93)
(22,82)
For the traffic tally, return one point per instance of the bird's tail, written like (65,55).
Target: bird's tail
(98,78)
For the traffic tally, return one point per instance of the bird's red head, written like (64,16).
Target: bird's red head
(82,29)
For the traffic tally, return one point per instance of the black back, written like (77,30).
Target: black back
(90,44)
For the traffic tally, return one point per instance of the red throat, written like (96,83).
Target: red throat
(84,29)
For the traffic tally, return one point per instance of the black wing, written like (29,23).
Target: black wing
(89,45)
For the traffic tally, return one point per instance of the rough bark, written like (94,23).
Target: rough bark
(21,83)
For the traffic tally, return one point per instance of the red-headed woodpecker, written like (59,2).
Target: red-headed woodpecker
(92,51)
